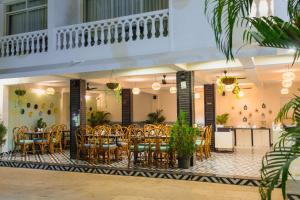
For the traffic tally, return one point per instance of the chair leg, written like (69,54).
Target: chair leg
(33,148)
(60,147)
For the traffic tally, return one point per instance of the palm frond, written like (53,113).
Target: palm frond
(276,164)
(224,16)
(273,32)
(294,8)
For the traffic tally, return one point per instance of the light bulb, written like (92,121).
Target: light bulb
(241,94)
(50,91)
(197,96)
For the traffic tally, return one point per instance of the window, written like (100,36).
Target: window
(26,16)
(106,9)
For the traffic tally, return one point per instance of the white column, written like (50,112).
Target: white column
(4,117)
(2,22)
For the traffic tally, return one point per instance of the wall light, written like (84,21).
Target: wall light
(173,90)
(38,91)
(241,94)
(156,86)
(87,97)
(197,95)
(136,91)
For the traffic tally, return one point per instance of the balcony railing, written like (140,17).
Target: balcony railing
(24,44)
(143,26)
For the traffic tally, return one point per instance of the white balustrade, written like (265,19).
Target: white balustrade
(143,26)
(24,44)
(262,8)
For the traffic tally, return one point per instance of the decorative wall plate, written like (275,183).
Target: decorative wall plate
(263,115)
(49,112)
(240,112)
(36,106)
(256,110)
(245,107)
(22,111)
(91,108)
(245,119)
(263,106)
(232,108)
(30,114)
(250,114)
(28,105)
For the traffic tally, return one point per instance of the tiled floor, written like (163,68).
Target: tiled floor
(244,163)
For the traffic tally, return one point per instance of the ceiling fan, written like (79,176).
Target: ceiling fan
(89,88)
(164,81)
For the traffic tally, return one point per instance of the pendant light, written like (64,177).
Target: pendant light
(156,86)
(229,88)
(289,75)
(173,90)
(197,95)
(287,83)
(241,94)
(136,91)
(284,91)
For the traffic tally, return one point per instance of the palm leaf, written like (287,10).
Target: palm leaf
(224,16)
(275,165)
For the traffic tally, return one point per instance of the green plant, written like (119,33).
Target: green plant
(41,124)
(3,131)
(156,117)
(99,118)
(183,137)
(222,119)
(225,16)
(276,164)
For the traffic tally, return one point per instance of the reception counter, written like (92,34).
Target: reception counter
(253,137)
(227,138)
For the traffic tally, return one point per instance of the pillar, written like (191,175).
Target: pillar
(127,107)
(185,94)
(77,111)
(210,110)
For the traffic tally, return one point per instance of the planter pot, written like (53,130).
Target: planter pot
(184,162)
(220,126)
(193,160)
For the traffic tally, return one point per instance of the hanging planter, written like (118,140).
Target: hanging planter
(112,85)
(20,92)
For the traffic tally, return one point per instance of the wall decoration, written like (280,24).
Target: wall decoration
(36,106)
(91,109)
(245,107)
(256,110)
(250,114)
(30,114)
(40,113)
(270,112)
(28,105)
(263,106)
(263,115)
(43,105)
(245,119)
(240,112)
(232,108)
(49,112)
(22,111)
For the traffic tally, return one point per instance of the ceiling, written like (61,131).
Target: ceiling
(257,71)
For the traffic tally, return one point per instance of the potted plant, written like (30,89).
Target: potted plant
(221,120)
(99,118)
(20,93)
(156,117)
(40,125)
(182,140)
(3,131)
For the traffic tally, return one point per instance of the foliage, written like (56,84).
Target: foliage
(3,131)
(222,119)
(183,137)
(225,16)
(156,117)
(276,163)
(41,124)
(99,118)
(116,88)
(20,92)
